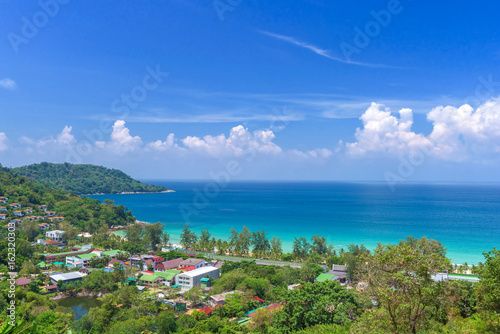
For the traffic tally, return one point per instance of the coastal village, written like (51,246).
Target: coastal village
(166,281)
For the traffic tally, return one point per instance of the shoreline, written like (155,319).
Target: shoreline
(131,193)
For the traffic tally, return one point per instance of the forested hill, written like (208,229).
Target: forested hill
(85,179)
(85,213)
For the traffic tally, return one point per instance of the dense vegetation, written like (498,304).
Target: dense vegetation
(80,213)
(85,179)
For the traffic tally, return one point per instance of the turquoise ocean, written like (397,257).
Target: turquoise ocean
(465,218)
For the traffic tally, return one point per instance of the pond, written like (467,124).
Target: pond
(80,305)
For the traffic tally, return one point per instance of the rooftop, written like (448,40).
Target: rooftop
(68,276)
(191,262)
(199,271)
(324,277)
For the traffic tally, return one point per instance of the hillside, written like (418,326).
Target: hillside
(85,179)
(82,212)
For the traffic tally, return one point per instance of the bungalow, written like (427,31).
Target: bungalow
(111,263)
(168,276)
(67,278)
(151,280)
(340,273)
(158,259)
(56,235)
(15,206)
(18,213)
(28,211)
(49,214)
(166,265)
(220,299)
(51,288)
(50,242)
(22,281)
(197,263)
(43,207)
(56,219)
(3,216)
(324,277)
(43,226)
(16,221)
(3,208)
(42,265)
(30,218)
(3,199)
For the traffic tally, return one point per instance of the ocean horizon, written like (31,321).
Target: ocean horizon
(464,217)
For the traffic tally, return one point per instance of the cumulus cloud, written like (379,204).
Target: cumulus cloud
(462,131)
(166,145)
(239,142)
(8,83)
(383,132)
(457,134)
(3,142)
(65,138)
(121,140)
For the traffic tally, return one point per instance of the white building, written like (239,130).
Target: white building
(74,262)
(56,235)
(193,278)
(66,278)
(3,216)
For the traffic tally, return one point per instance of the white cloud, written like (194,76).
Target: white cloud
(3,141)
(322,52)
(65,138)
(121,140)
(239,142)
(166,145)
(458,128)
(8,83)
(458,133)
(383,132)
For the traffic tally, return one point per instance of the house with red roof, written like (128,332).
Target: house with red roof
(166,265)
(186,269)
(3,199)
(3,216)
(207,310)
(18,213)
(3,208)
(15,206)
(23,281)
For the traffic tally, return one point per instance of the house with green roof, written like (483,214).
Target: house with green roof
(324,278)
(151,280)
(168,276)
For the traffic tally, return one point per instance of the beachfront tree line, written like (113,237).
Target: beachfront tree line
(258,245)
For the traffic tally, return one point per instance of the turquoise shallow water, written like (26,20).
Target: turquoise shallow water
(465,218)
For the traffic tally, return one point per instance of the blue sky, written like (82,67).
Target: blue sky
(287,89)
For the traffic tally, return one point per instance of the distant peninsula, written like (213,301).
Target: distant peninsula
(86,179)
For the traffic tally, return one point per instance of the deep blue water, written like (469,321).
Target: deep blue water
(465,218)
